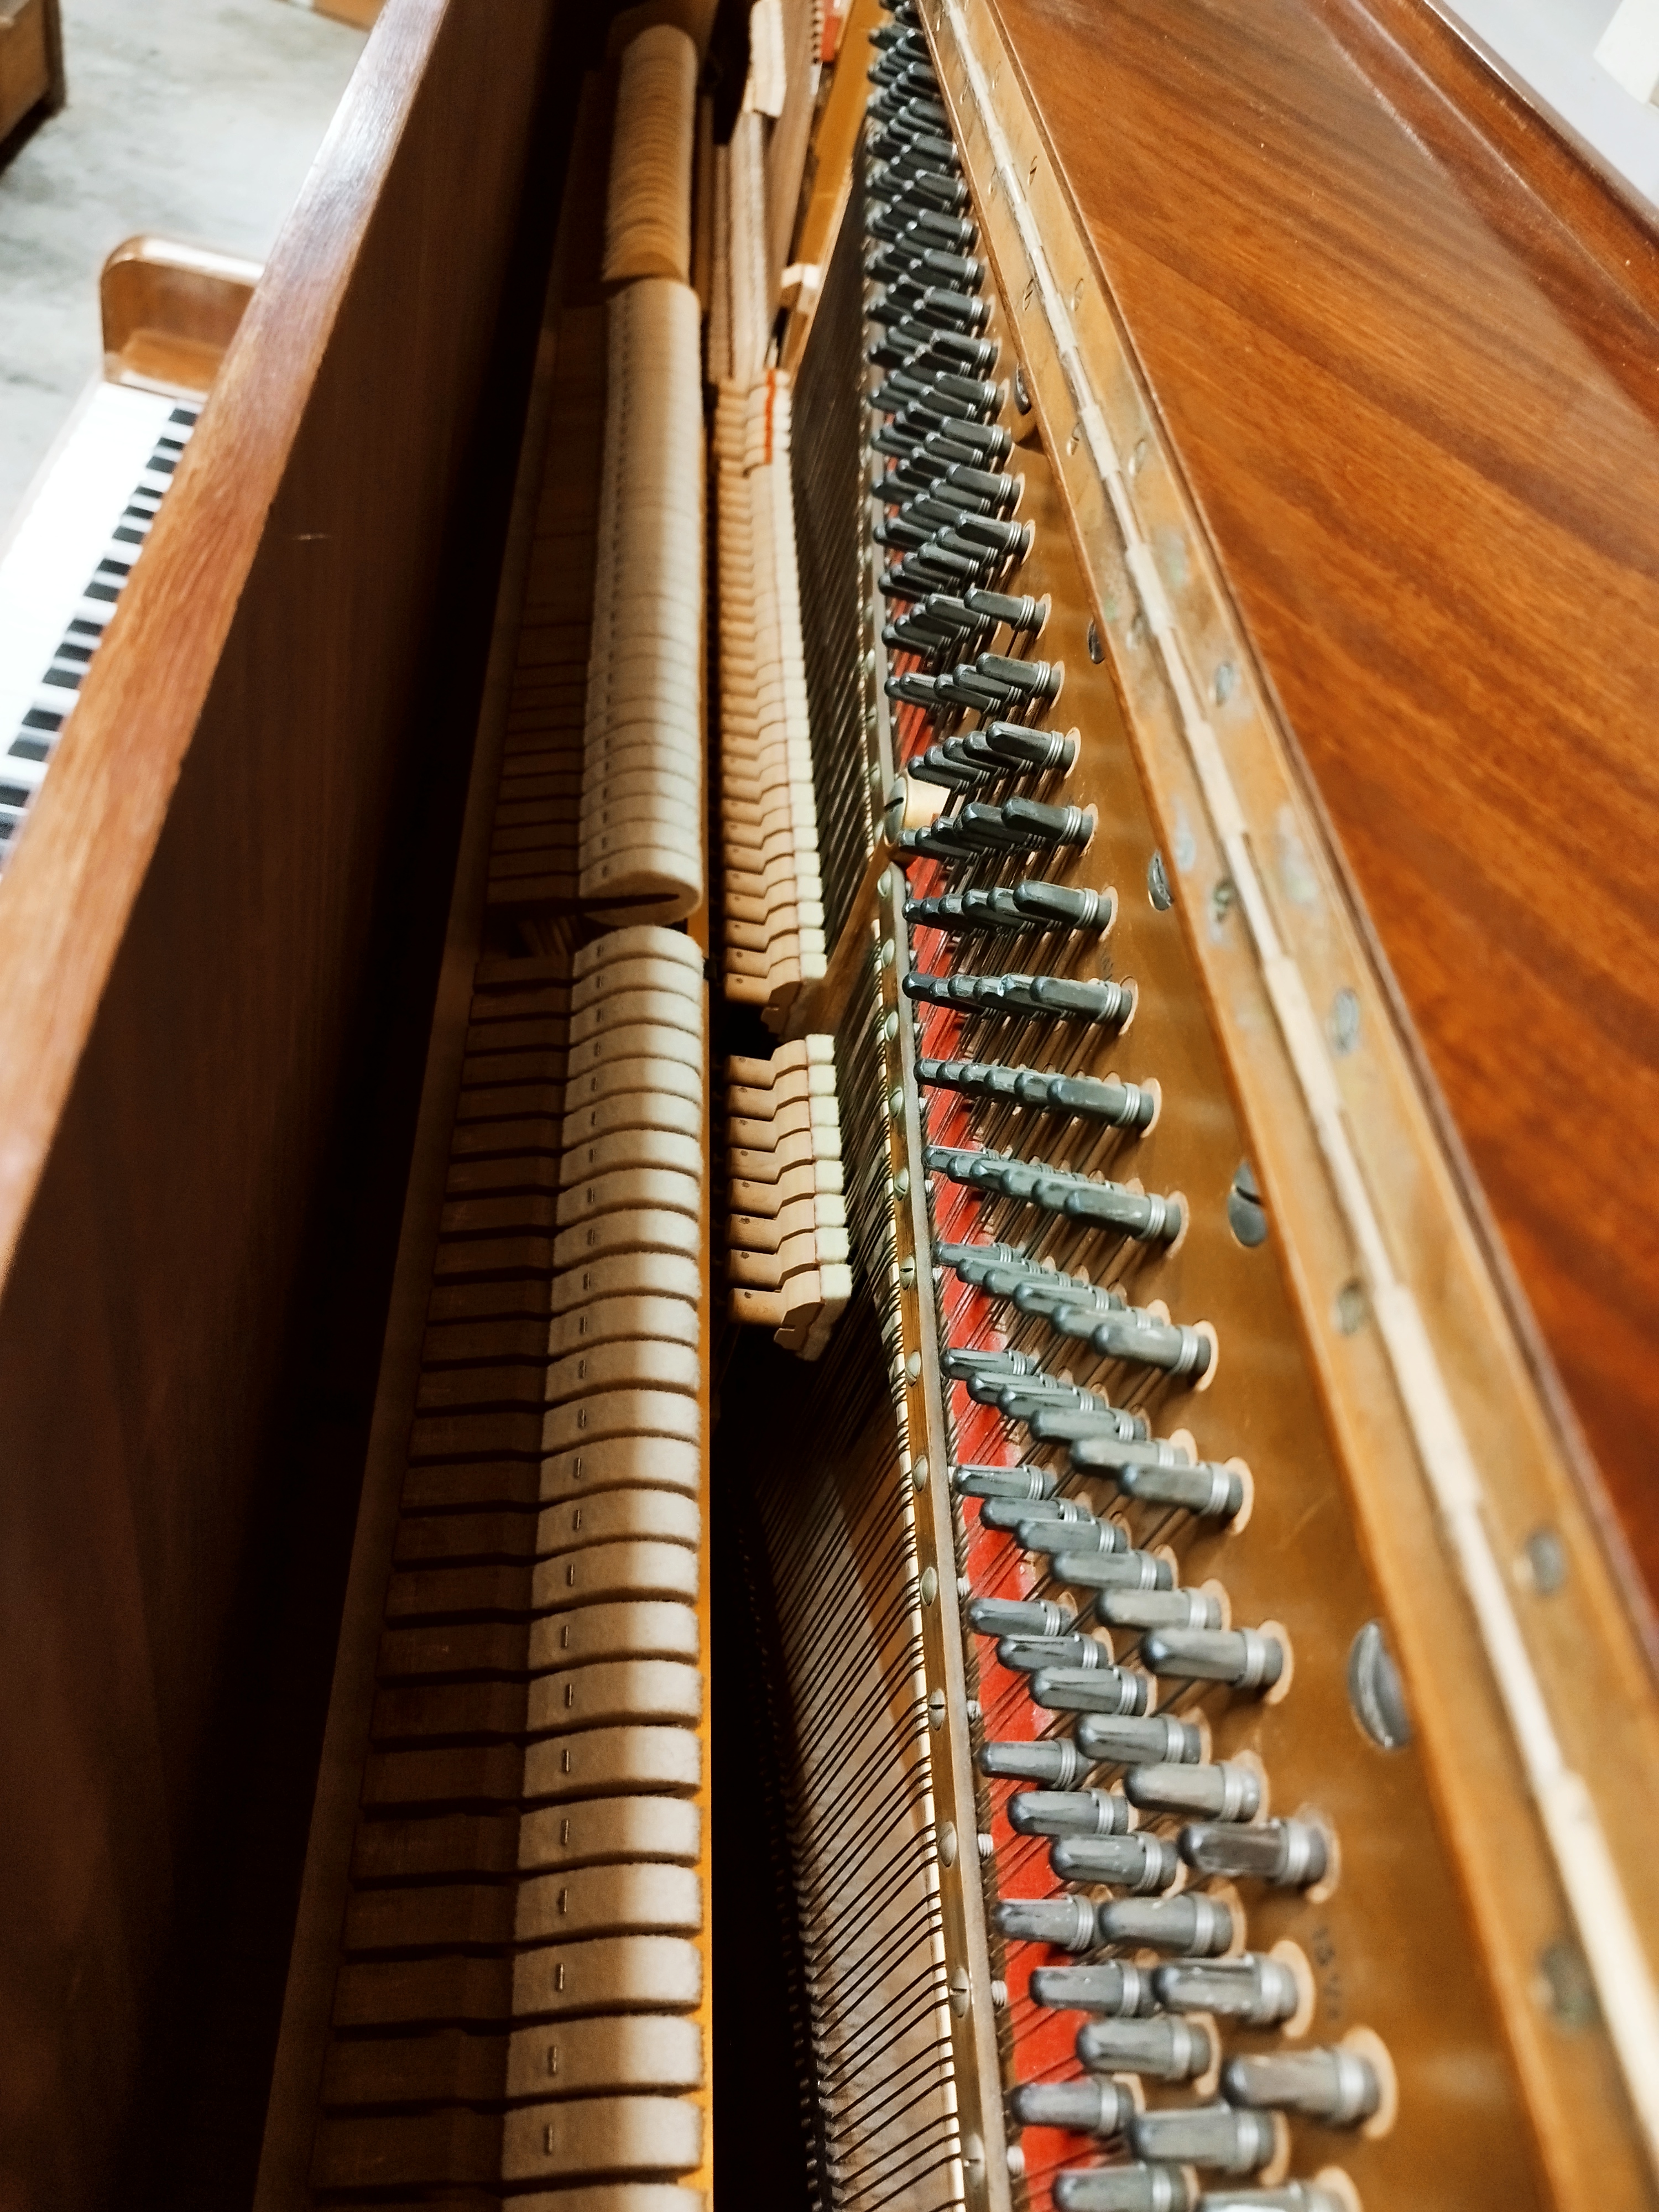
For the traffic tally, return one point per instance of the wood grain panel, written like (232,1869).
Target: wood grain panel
(1404,352)
(182,939)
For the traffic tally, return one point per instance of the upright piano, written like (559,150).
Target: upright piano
(827,1343)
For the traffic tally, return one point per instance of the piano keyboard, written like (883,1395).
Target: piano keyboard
(64,567)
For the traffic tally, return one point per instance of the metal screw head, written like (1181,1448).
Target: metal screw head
(1137,458)
(1226,683)
(919,1473)
(1564,1987)
(1247,1217)
(1022,393)
(1352,1308)
(1158,883)
(1374,1691)
(947,1843)
(906,1272)
(1343,1026)
(1222,896)
(883,882)
(896,1102)
(1096,650)
(929,1588)
(902,1184)
(888,952)
(961,1992)
(912,1367)
(936,1710)
(889,1025)
(1543,1561)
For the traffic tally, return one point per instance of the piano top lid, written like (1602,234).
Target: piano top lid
(1407,348)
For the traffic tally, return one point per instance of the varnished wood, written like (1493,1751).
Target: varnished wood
(169,311)
(31,60)
(1408,388)
(182,934)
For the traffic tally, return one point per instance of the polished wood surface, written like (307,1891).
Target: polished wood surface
(31,60)
(183,937)
(169,311)
(1403,347)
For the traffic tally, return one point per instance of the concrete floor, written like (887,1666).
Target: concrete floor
(194,118)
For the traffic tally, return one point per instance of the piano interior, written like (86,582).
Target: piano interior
(827,1343)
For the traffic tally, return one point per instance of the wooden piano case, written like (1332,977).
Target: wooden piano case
(31,62)
(227,913)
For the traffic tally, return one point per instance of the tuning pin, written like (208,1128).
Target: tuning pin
(1009,1514)
(1229,1791)
(1068,1813)
(1111,1690)
(1193,1925)
(1064,997)
(1025,1484)
(1024,1655)
(1244,1658)
(1153,1739)
(989,438)
(1063,907)
(1076,1538)
(1293,2196)
(1088,2108)
(1147,1218)
(1065,1923)
(1124,2189)
(1102,1570)
(1174,1608)
(1255,1988)
(1022,825)
(1021,1616)
(1289,1854)
(1144,1865)
(1167,2049)
(1021,614)
(1212,1492)
(1216,2135)
(1111,1985)
(1054,1760)
(1064,1424)
(960,1361)
(1144,1339)
(1338,2086)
